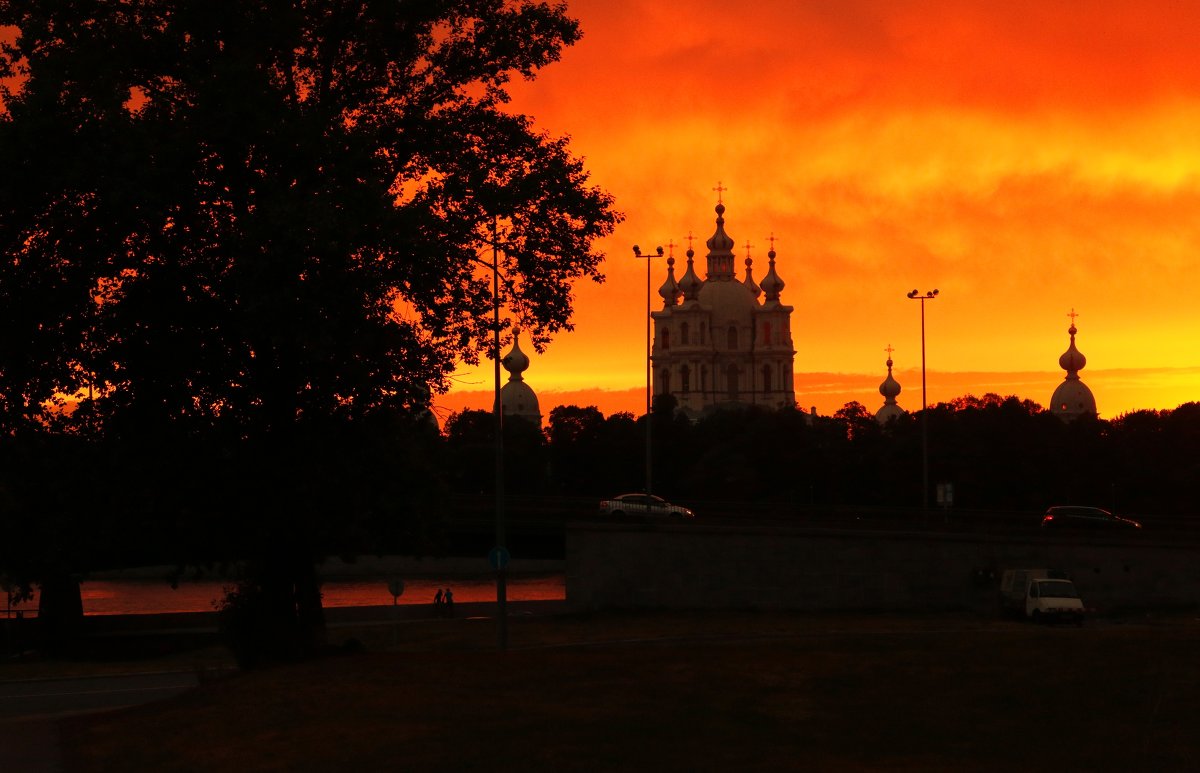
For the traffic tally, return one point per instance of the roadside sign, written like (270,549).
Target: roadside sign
(498,558)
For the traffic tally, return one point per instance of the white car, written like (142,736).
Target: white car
(643,504)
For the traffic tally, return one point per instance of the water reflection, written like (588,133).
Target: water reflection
(143,597)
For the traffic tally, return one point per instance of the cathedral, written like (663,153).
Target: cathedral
(723,341)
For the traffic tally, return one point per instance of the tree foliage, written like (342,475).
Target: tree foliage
(247,236)
(253,212)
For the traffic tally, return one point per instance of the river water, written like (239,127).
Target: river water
(142,597)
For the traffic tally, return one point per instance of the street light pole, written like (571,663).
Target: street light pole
(928,296)
(498,409)
(637,252)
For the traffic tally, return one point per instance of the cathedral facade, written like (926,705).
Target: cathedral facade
(723,341)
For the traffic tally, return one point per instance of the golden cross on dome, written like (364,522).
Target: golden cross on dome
(690,239)
(671,245)
(748,246)
(1072,315)
(889,350)
(720,189)
(772,239)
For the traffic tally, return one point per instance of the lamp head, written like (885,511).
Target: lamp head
(637,250)
(912,294)
(935,292)
(660,254)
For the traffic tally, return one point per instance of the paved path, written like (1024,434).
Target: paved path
(29,741)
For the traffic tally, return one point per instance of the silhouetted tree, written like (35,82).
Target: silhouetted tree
(471,454)
(268,222)
(575,438)
(672,438)
(621,453)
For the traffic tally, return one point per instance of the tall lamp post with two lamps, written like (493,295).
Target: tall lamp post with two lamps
(927,296)
(658,253)
(499,554)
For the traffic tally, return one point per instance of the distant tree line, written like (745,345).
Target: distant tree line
(999,453)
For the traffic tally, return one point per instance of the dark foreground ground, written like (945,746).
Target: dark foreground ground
(687,692)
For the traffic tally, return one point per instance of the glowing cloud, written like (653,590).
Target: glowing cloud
(1024,158)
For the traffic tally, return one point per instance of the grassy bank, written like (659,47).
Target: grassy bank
(690,692)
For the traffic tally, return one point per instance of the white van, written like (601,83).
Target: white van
(1041,595)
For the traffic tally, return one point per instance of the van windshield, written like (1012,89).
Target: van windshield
(1057,589)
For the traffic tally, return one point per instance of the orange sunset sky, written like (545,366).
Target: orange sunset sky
(1025,158)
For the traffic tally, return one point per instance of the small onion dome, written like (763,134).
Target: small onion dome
(754,289)
(1072,360)
(720,250)
(720,241)
(670,289)
(772,285)
(890,389)
(689,283)
(516,361)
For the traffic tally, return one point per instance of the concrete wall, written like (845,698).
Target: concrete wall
(693,566)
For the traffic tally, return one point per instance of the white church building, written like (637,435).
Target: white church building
(721,340)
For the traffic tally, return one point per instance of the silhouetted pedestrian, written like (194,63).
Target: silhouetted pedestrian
(448,602)
(438,601)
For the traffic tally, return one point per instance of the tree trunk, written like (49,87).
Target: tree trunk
(60,610)
(310,615)
(292,619)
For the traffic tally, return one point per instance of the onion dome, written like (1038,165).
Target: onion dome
(720,250)
(689,283)
(1072,360)
(670,289)
(754,289)
(516,361)
(516,397)
(772,285)
(729,301)
(890,389)
(1072,398)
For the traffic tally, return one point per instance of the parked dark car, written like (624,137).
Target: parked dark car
(1073,517)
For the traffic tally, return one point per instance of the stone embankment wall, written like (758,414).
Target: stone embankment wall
(694,566)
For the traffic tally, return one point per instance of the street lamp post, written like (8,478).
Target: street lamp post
(928,296)
(498,410)
(637,252)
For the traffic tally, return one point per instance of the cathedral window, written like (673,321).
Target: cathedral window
(703,378)
(703,328)
(685,379)
(732,342)
(732,376)
(666,338)
(766,378)
(683,335)
(766,333)
(665,380)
